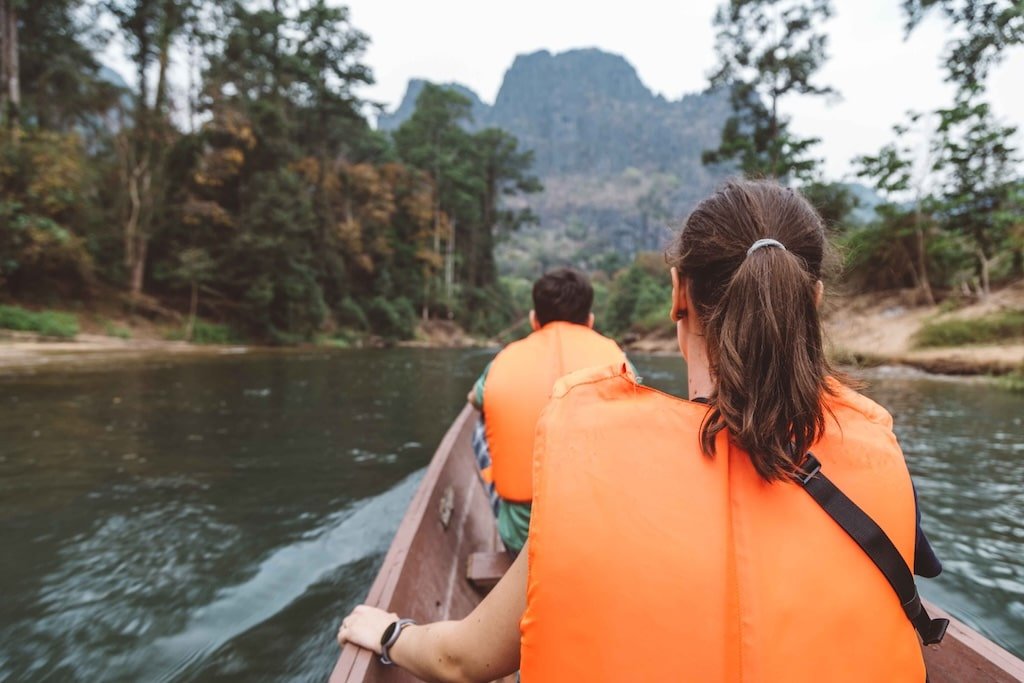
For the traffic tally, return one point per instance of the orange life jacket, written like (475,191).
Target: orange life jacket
(518,387)
(650,561)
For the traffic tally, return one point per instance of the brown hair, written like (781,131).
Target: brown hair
(563,294)
(760,319)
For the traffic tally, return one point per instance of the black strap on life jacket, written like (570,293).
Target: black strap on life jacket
(873,541)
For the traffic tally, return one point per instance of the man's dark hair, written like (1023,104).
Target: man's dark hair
(563,294)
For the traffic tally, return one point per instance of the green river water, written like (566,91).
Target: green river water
(212,519)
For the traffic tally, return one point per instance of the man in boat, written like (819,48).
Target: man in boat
(516,385)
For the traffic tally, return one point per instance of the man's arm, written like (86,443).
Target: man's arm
(475,397)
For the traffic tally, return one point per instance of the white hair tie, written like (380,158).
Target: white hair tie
(765,243)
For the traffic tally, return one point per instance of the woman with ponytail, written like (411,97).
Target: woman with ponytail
(689,540)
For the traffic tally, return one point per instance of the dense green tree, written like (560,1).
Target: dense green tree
(474,176)
(834,202)
(978,167)
(988,28)
(150,29)
(44,206)
(768,50)
(637,296)
(905,229)
(506,173)
(434,140)
(62,86)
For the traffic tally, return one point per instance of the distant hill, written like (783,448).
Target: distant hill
(390,121)
(618,162)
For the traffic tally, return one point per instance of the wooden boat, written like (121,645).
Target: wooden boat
(447,554)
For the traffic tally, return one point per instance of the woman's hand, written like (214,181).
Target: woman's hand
(364,627)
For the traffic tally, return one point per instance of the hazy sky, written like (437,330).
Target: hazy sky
(878,73)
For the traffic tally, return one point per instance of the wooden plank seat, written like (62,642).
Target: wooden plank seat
(485,569)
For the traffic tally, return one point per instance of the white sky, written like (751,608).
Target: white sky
(670,43)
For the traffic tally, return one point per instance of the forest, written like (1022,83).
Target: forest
(256,202)
(263,200)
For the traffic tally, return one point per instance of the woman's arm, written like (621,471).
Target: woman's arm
(482,647)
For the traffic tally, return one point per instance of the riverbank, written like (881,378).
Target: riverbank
(882,329)
(22,352)
(863,330)
(27,352)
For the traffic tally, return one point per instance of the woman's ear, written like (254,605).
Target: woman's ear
(819,292)
(679,307)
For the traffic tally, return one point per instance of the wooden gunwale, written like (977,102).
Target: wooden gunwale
(427,554)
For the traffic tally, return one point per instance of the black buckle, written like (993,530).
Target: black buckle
(934,632)
(810,468)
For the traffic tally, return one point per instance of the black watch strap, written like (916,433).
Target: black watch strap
(390,637)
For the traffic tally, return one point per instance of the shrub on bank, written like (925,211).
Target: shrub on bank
(113,330)
(206,333)
(1014,381)
(392,319)
(45,323)
(996,327)
(210,333)
(350,315)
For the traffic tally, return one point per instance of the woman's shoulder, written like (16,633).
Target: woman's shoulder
(841,396)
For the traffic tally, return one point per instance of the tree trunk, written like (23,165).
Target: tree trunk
(984,262)
(449,267)
(139,266)
(193,308)
(10,98)
(922,265)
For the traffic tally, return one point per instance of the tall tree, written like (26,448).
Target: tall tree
(988,28)
(978,167)
(892,173)
(328,64)
(62,85)
(150,29)
(506,173)
(767,50)
(10,92)
(434,141)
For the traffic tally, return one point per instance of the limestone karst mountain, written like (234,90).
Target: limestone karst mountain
(619,163)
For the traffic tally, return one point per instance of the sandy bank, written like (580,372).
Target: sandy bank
(26,353)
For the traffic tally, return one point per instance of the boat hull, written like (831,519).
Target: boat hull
(449,519)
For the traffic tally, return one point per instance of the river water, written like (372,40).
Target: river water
(210,520)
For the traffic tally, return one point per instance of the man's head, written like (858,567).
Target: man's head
(562,294)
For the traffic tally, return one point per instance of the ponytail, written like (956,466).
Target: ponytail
(759,312)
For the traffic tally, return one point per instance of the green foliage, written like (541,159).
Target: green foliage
(111,329)
(45,323)
(638,297)
(834,202)
(349,314)
(206,333)
(211,333)
(980,198)
(767,51)
(391,319)
(470,175)
(61,85)
(986,29)
(41,192)
(993,328)
(1014,381)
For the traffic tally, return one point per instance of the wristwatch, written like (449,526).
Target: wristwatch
(390,637)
